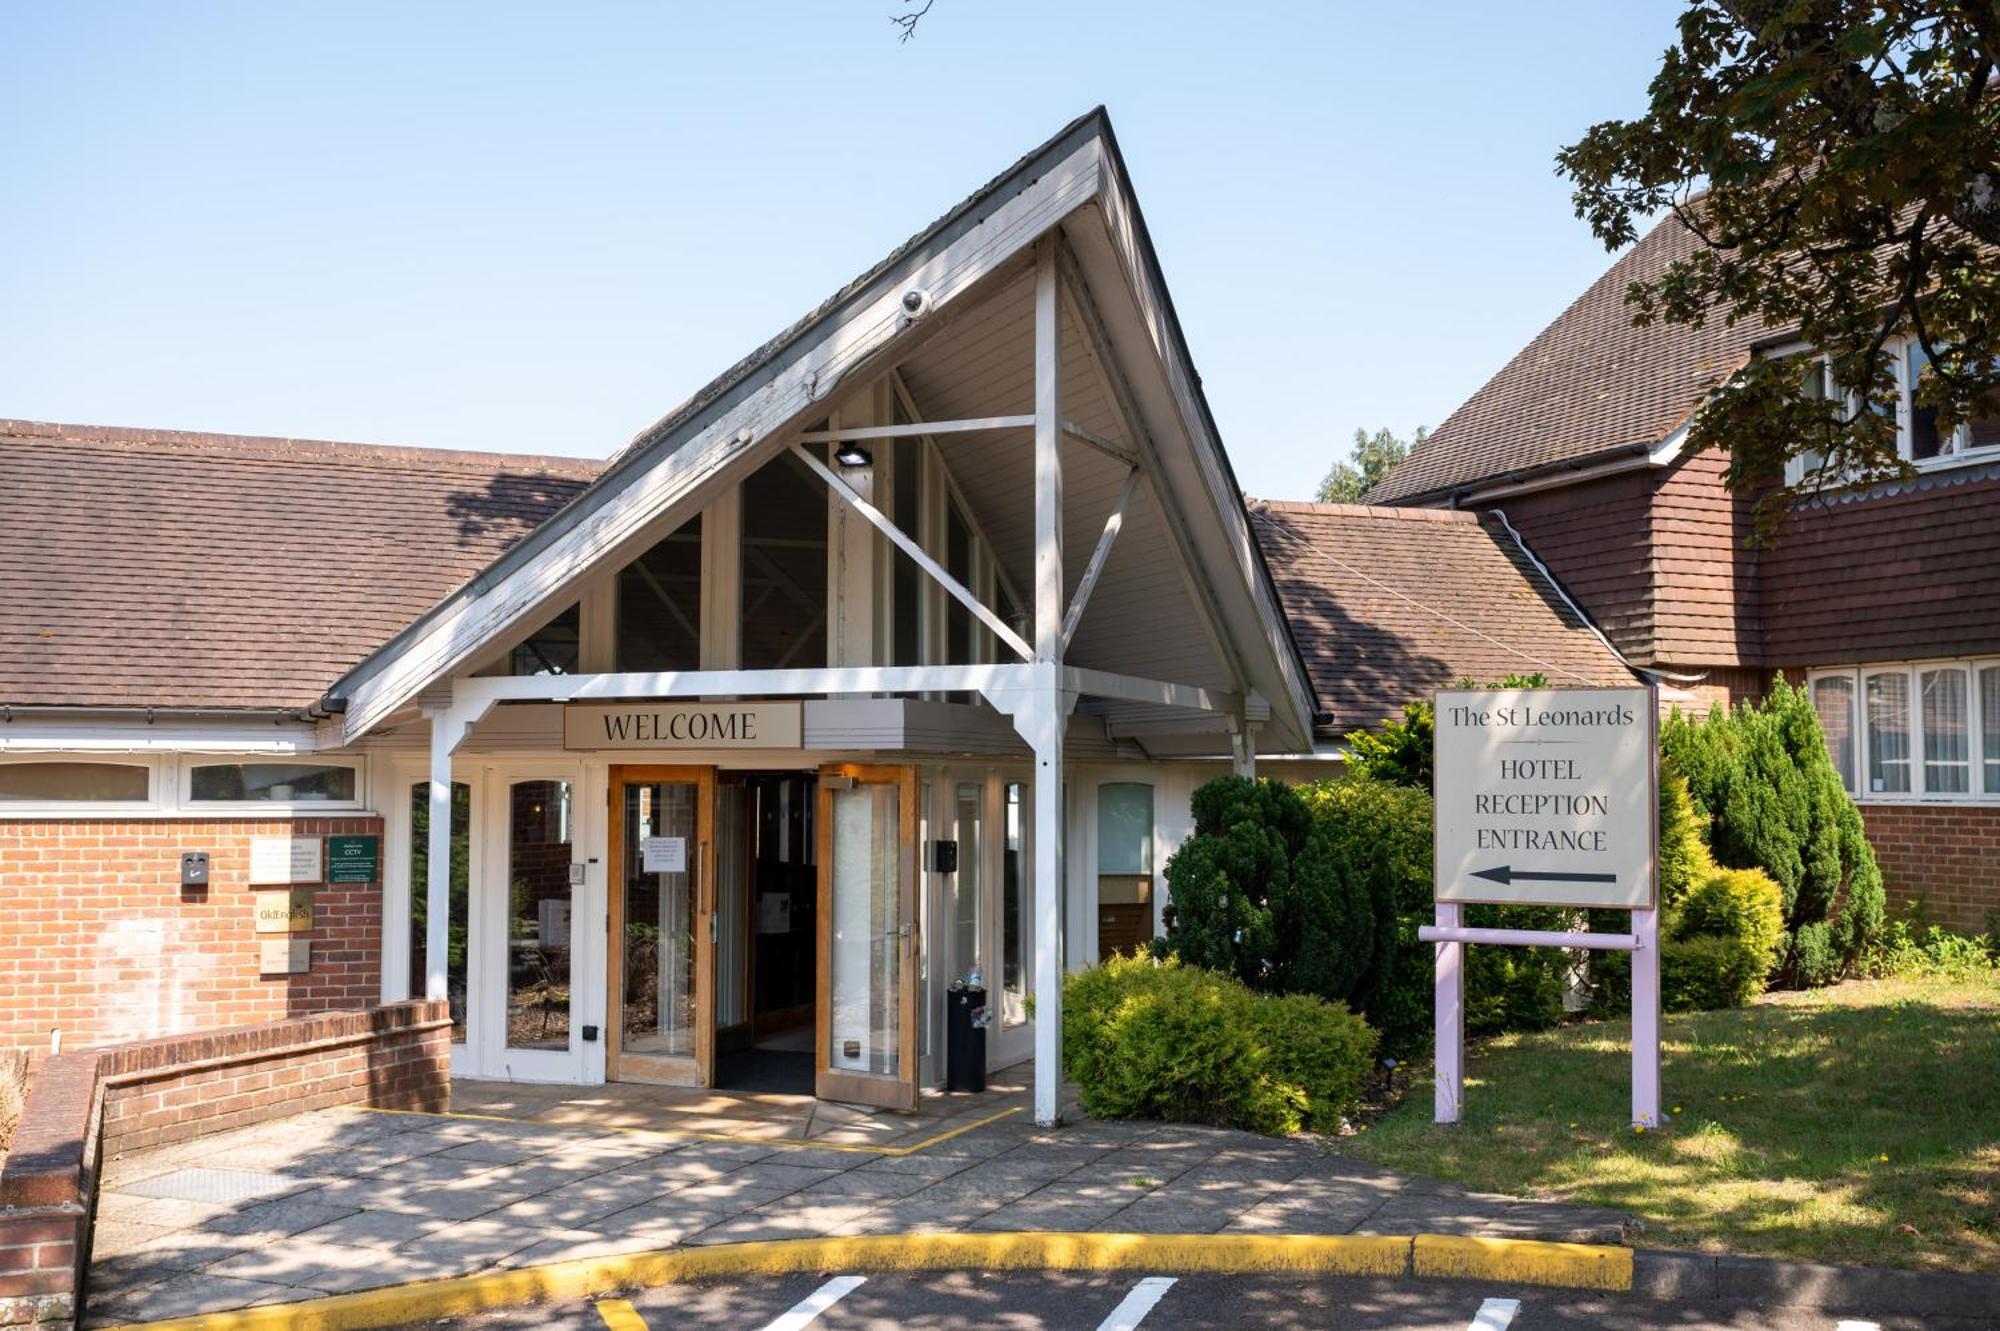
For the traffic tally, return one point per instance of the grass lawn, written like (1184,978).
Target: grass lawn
(1855,1124)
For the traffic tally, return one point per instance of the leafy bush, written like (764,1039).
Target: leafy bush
(1383,832)
(1265,891)
(1150,1039)
(1933,954)
(1762,776)
(1320,1048)
(1685,861)
(1717,947)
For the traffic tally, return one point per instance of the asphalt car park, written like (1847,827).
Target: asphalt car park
(1055,1301)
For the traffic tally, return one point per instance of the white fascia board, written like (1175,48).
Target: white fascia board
(115,733)
(710,441)
(1225,502)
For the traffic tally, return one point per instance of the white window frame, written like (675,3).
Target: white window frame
(1960,452)
(287,808)
(157,787)
(1982,789)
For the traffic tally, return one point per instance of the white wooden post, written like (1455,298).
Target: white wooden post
(446,730)
(1448,1093)
(1044,715)
(1646,1018)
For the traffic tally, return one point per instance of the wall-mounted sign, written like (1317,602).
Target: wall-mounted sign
(286,911)
(1546,796)
(285,859)
(284,956)
(701,725)
(353,859)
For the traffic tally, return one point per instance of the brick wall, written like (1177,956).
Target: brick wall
(94,1104)
(1944,857)
(98,940)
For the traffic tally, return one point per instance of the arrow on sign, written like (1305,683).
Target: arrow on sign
(1507,873)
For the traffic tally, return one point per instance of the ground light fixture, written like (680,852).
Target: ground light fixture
(851,454)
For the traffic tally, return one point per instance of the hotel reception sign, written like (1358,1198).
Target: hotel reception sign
(702,725)
(1546,796)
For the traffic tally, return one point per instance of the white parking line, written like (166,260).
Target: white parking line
(1494,1315)
(1857,1326)
(1137,1304)
(808,1309)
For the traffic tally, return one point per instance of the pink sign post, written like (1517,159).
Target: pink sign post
(1547,797)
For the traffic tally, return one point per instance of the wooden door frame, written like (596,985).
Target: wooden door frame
(661,1069)
(863,1087)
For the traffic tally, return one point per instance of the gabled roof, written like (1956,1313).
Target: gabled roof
(744,413)
(166,569)
(1590,387)
(1389,604)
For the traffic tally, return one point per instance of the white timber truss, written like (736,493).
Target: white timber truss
(1037,692)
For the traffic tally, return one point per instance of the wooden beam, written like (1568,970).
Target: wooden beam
(1085,435)
(902,542)
(1092,570)
(917,429)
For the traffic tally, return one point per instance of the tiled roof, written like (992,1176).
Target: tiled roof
(1589,385)
(1389,604)
(167,569)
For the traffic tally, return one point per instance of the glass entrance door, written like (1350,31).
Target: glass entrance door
(535,907)
(662,926)
(867,1024)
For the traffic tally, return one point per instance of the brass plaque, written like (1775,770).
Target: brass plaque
(284,956)
(287,912)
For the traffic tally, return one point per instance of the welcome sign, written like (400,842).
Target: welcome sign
(702,725)
(1546,796)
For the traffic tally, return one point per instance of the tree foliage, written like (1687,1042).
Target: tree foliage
(1372,456)
(1837,161)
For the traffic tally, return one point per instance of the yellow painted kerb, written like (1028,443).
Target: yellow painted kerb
(1512,1260)
(1522,1261)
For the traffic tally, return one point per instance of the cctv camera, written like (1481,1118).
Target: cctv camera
(916,302)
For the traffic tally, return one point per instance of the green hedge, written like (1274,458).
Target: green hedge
(1762,777)
(1155,1039)
(1717,947)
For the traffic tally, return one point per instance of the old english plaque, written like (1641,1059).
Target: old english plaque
(1546,797)
(705,725)
(285,911)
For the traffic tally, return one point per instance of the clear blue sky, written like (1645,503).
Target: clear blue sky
(536,228)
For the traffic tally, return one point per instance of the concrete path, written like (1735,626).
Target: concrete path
(347,1200)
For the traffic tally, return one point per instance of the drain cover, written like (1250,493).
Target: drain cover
(215,1185)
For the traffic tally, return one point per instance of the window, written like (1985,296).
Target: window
(1929,731)
(784,566)
(58,781)
(1888,733)
(1833,699)
(1989,727)
(1946,732)
(659,604)
(1918,438)
(1013,930)
(273,783)
(553,649)
(461,881)
(1124,866)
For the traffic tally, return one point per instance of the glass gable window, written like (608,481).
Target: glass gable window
(659,604)
(275,783)
(1833,699)
(59,782)
(784,566)
(553,649)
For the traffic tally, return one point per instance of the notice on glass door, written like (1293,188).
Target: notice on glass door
(663,854)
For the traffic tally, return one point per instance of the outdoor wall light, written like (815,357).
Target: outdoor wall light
(851,454)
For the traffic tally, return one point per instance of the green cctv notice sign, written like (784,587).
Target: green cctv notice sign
(353,859)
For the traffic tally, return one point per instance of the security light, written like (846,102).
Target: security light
(851,454)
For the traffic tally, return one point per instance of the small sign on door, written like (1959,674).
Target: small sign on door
(663,854)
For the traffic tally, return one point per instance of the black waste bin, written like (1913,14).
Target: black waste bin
(964,1042)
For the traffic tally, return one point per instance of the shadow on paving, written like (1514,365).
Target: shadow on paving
(347,1200)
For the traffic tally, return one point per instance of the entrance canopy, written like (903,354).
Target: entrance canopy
(1028,338)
